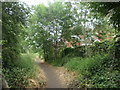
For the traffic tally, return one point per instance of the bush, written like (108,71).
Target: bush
(74,52)
(17,75)
(85,65)
(101,47)
(105,79)
(97,72)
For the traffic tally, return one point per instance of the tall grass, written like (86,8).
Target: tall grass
(26,61)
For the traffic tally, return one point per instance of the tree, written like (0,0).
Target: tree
(111,10)
(14,15)
(49,27)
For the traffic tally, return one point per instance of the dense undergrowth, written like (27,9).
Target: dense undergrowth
(96,72)
(24,70)
(100,70)
(97,68)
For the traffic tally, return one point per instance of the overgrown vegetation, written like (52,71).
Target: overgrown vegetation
(24,70)
(82,37)
(18,68)
(67,40)
(98,71)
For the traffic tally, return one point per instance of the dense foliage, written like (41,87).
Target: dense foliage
(13,16)
(82,37)
(75,22)
(25,69)
(17,68)
(101,70)
(110,10)
(50,25)
(97,72)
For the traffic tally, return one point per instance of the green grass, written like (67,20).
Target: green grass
(85,64)
(31,55)
(62,61)
(27,61)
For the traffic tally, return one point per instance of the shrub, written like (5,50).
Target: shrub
(97,72)
(74,52)
(16,77)
(105,79)
(18,74)
(101,47)
(86,65)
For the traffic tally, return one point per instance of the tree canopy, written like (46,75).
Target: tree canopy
(110,9)
(13,16)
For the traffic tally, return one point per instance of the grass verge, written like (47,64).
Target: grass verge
(25,73)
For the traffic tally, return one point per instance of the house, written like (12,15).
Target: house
(83,42)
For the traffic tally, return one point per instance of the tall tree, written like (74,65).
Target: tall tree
(14,15)
(50,26)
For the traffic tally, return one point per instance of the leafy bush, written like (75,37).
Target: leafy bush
(12,26)
(86,64)
(16,77)
(101,47)
(72,52)
(105,79)
(97,72)
(23,69)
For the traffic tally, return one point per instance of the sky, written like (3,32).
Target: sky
(36,2)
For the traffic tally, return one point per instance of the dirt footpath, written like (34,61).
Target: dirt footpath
(57,77)
(53,80)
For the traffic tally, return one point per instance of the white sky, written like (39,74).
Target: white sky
(36,2)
